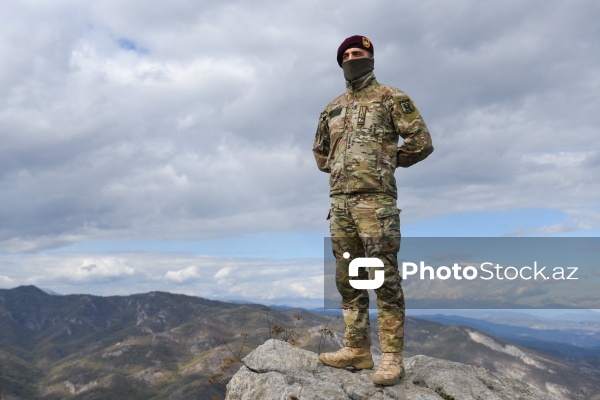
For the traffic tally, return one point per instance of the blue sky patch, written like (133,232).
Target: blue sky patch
(130,45)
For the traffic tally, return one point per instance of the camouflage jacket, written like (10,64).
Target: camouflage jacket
(357,138)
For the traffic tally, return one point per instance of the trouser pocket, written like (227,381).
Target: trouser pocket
(388,220)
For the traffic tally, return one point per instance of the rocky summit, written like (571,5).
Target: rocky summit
(278,370)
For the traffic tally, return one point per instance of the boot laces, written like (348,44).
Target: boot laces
(388,360)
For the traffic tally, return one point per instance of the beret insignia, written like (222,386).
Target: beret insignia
(358,41)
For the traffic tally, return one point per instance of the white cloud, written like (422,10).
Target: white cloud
(190,273)
(101,269)
(224,278)
(223,273)
(6,281)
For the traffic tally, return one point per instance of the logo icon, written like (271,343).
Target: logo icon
(365,262)
(366,42)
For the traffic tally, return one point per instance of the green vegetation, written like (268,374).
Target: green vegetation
(444,395)
(149,346)
(160,345)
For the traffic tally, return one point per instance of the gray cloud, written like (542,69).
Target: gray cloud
(134,120)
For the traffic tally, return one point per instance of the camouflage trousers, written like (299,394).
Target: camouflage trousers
(368,225)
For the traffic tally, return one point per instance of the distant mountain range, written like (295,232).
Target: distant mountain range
(565,343)
(165,346)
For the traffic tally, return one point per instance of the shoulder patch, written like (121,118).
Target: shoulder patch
(407,106)
(407,109)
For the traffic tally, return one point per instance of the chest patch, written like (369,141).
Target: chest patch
(334,113)
(362,113)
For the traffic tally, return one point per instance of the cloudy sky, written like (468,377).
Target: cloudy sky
(151,145)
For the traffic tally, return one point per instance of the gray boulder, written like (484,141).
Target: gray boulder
(278,370)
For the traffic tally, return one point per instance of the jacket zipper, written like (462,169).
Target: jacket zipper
(349,125)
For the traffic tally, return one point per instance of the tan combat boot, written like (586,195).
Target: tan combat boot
(357,357)
(390,371)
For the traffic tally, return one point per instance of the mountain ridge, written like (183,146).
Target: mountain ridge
(577,343)
(160,345)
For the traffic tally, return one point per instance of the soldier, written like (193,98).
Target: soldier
(357,144)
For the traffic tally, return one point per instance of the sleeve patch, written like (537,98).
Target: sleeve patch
(407,107)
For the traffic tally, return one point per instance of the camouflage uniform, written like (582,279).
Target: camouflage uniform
(357,144)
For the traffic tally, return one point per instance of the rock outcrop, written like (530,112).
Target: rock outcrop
(278,370)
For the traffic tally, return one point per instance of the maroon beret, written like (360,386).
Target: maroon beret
(356,41)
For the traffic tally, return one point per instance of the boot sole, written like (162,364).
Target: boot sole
(389,382)
(364,365)
(367,364)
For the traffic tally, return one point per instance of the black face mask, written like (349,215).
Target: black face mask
(354,69)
